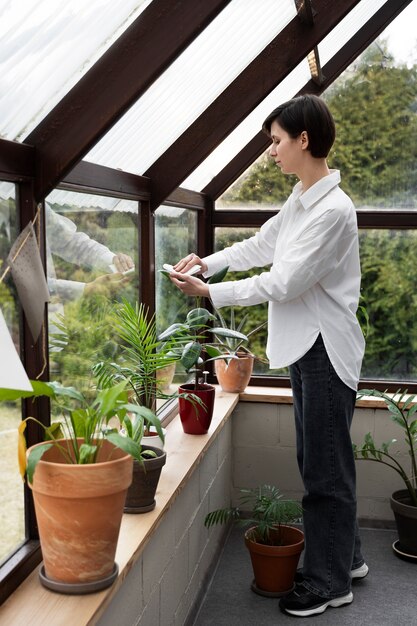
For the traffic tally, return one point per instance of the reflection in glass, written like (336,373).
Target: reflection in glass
(175,237)
(87,237)
(12,521)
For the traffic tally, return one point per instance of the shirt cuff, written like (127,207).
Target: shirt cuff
(215,262)
(222,294)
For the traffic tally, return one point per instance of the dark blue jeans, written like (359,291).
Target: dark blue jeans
(323,407)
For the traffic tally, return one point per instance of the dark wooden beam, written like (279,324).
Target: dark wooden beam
(332,70)
(114,83)
(254,83)
(17,160)
(106,180)
(187,198)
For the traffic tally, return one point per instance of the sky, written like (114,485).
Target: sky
(402,35)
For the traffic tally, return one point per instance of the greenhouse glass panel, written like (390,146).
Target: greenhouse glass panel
(47,46)
(175,237)
(88,239)
(251,125)
(12,517)
(191,83)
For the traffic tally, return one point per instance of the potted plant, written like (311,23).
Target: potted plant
(79,478)
(234,368)
(403,408)
(274,544)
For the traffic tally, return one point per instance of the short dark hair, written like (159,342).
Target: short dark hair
(309,113)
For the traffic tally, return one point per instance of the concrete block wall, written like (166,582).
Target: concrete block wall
(169,579)
(264,452)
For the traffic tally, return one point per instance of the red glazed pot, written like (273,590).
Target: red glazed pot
(196,419)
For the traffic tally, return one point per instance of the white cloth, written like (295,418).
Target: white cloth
(63,239)
(313,284)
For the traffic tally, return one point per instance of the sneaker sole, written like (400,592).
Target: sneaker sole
(334,602)
(360,572)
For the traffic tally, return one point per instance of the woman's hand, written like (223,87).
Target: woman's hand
(190,285)
(188,262)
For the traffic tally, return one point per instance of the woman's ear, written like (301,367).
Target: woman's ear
(304,140)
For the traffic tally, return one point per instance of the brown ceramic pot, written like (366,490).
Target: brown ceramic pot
(79,510)
(234,375)
(274,567)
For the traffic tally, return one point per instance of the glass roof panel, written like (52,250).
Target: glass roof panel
(243,133)
(46,47)
(209,64)
(341,34)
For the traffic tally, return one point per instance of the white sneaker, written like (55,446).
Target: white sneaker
(360,572)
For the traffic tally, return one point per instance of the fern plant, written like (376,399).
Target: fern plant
(270,511)
(403,408)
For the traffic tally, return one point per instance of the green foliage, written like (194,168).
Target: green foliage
(402,408)
(270,510)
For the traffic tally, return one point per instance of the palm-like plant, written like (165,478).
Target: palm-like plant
(403,408)
(142,355)
(270,512)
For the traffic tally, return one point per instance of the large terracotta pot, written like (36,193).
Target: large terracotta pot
(196,419)
(141,493)
(274,567)
(79,510)
(234,375)
(406,519)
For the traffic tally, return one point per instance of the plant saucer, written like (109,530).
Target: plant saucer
(402,554)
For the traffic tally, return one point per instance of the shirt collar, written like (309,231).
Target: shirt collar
(318,190)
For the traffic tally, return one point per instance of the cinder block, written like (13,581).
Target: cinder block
(197,537)
(174,583)
(219,494)
(276,466)
(225,441)
(157,555)
(186,505)
(286,426)
(150,614)
(374,480)
(256,424)
(385,429)
(208,468)
(128,602)
(363,422)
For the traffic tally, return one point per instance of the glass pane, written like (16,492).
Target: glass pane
(389,288)
(256,315)
(175,237)
(12,520)
(251,125)
(47,47)
(191,83)
(88,238)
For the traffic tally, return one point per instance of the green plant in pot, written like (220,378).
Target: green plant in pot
(274,544)
(195,344)
(233,359)
(402,411)
(79,479)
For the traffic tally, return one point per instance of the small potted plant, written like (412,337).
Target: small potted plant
(233,360)
(79,478)
(403,409)
(274,544)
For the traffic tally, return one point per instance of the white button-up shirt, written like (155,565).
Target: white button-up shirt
(313,283)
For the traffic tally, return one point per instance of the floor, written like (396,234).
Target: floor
(386,597)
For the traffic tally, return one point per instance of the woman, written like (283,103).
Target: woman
(312,287)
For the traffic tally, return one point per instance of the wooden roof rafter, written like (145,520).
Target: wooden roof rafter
(254,83)
(341,60)
(114,83)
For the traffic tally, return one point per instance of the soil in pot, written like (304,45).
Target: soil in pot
(79,510)
(195,418)
(140,496)
(234,375)
(274,567)
(406,519)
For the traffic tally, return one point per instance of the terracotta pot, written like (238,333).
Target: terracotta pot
(165,376)
(140,496)
(234,375)
(406,518)
(196,419)
(274,567)
(79,510)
